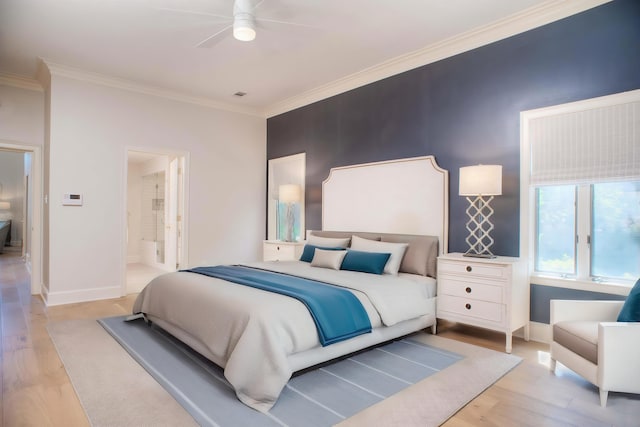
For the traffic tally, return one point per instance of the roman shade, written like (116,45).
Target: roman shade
(591,145)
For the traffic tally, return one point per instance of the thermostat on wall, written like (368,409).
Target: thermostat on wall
(72,199)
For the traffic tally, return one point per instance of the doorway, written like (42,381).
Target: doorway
(22,197)
(154,231)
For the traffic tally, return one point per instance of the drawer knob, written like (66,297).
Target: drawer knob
(277,248)
(467,306)
(469,269)
(468,290)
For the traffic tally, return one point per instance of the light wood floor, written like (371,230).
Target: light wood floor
(36,390)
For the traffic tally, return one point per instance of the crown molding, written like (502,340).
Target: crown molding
(20,82)
(528,19)
(61,70)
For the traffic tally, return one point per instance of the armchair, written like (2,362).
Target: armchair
(589,341)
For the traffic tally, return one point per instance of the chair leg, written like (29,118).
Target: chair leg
(552,365)
(603,397)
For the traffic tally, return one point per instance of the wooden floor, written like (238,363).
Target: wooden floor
(36,390)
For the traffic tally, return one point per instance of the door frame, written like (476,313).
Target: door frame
(37,190)
(183,204)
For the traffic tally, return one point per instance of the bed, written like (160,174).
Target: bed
(261,338)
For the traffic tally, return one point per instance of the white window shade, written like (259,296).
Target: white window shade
(594,145)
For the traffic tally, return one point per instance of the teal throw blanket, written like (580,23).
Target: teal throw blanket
(338,313)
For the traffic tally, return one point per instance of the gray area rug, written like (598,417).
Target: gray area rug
(115,390)
(321,397)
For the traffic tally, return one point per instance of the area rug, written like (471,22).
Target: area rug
(420,380)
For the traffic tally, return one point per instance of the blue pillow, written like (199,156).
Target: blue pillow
(365,262)
(309,251)
(631,309)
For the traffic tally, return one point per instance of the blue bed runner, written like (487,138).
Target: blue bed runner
(338,313)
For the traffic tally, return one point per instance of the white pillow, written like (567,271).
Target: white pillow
(328,242)
(328,259)
(396,250)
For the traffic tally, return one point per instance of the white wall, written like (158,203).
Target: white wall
(91,126)
(21,115)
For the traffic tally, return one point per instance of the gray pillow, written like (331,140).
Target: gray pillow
(343,234)
(328,242)
(421,255)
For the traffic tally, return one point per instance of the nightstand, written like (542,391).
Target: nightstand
(489,293)
(277,250)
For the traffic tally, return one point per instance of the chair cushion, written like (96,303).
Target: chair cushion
(579,336)
(631,309)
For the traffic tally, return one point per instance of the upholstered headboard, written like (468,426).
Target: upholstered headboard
(405,196)
(419,258)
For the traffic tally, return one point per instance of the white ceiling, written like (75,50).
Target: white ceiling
(151,42)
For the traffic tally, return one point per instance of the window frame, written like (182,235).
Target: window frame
(528,204)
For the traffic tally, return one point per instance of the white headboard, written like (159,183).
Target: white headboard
(405,196)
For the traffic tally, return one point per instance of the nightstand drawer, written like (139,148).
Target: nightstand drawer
(472,269)
(274,250)
(471,308)
(476,291)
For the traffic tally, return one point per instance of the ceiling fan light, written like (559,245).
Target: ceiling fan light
(243,30)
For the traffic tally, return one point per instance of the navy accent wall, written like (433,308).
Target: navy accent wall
(465,109)
(541,295)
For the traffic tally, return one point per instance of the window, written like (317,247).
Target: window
(589,231)
(615,230)
(556,229)
(580,192)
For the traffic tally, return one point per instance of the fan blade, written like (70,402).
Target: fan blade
(213,39)
(258,4)
(295,24)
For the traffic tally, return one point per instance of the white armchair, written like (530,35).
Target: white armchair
(588,340)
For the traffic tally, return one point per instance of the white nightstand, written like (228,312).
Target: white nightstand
(490,293)
(277,250)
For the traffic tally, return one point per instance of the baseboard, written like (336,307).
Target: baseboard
(44,292)
(82,295)
(539,332)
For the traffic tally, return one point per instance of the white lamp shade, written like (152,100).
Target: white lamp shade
(481,180)
(289,193)
(5,206)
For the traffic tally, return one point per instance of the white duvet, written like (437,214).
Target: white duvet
(251,333)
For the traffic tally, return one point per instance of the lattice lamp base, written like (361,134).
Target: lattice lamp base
(479,226)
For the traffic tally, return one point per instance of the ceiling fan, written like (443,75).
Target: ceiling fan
(243,23)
